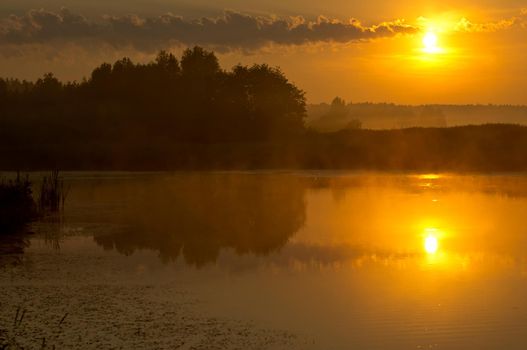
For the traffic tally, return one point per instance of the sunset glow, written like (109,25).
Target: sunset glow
(440,51)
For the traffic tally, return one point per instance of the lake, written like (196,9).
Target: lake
(273,260)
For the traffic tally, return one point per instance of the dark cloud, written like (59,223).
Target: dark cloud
(230,31)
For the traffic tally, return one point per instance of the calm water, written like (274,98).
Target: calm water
(364,261)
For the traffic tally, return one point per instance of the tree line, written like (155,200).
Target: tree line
(189,113)
(187,100)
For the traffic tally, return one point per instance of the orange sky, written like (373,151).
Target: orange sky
(379,56)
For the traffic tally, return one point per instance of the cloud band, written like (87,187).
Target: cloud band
(230,31)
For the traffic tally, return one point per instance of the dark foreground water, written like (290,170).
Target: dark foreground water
(301,260)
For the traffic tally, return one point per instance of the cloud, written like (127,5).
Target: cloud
(231,31)
(464,25)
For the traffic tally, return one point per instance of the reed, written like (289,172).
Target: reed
(52,193)
(17,203)
(17,206)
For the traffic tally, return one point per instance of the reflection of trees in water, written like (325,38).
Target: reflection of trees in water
(197,215)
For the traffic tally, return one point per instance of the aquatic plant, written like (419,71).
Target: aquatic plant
(17,203)
(17,206)
(52,194)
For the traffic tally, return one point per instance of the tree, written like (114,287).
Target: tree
(168,64)
(101,74)
(198,63)
(48,83)
(279,107)
(338,107)
(48,89)
(129,109)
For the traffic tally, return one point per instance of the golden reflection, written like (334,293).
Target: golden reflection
(449,227)
(431,240)
(431,244)
(429,176)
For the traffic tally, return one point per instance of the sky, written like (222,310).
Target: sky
(406,52)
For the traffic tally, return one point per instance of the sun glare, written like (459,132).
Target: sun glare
(430,41)
(431,243)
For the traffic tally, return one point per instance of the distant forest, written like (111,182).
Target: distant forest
(189,113)
(340,115)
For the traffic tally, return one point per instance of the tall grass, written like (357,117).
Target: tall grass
(17,206)
(52,194)
(17,203)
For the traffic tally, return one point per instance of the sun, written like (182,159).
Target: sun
(430,42)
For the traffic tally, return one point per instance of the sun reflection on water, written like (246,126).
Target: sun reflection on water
(429,176)
(434,253)
(431,244)
(431,240)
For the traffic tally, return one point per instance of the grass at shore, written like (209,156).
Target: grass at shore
(17,206)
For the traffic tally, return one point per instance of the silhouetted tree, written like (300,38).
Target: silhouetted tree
(198,63)
(168,64)
(190,113)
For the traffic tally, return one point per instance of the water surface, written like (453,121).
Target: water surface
(339,260)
